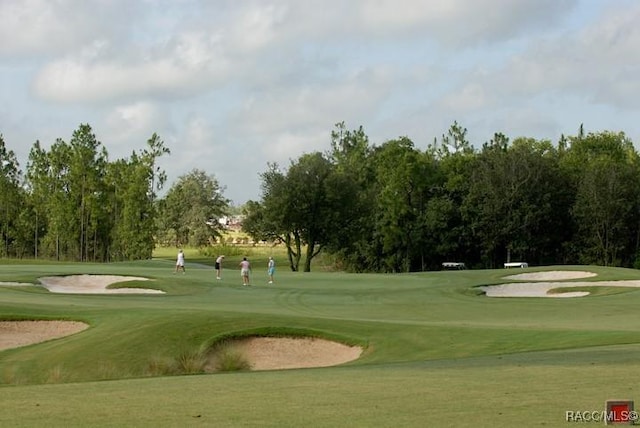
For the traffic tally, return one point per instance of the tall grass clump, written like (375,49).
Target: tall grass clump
(186,362)
(191,362)
(161,366)
(228,359)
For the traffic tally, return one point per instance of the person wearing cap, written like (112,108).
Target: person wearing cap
(218,267)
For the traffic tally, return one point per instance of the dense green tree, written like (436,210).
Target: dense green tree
(270,218)
(38,186)
(84,207)
(605,173)
(11,199)
(192,207)
(450,236)
(352,240)
(404,180)
(303,207)
(86,172)
(67,183)
(133,184)
(390,208)
(130,210)
(515,199)
(317,194)
(149,156)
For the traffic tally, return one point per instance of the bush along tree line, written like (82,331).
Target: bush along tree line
(396,208)
(73,204)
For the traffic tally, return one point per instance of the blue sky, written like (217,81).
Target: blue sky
(231,85)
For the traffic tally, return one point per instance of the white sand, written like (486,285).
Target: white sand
(93,284)
(14,334)
(86,284)
(541,289)
(271,353)
(552,275)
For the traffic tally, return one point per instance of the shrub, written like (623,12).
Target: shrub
(228,358)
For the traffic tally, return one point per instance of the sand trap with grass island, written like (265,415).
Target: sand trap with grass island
(547,281)
(263,353)
(93,284)
(87,284)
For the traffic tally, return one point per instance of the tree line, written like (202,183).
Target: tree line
(391,207)
(73,203)
(397,208)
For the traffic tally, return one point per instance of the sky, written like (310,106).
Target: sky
(232,85)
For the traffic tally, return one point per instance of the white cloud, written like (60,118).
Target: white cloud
(599,63)
(471,96)
(453,22)
(255,27)
(133,121)
(190,64)
(45,27)
(286,143)
(199,133)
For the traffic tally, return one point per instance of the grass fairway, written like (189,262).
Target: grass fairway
(437,353)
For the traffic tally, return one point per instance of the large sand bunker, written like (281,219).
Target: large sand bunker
(271,353)
(93,284)
(546,284)
(15,334)
(552,275)
(87,284)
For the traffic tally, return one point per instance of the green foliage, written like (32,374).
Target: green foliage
(191,209)
(302,208)
(89,209)
(394,207)
(12,199)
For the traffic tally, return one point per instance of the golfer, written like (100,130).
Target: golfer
(271,269)
(245,268)
(180,262)
(218,267)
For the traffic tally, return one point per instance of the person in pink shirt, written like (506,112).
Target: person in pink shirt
(245,268)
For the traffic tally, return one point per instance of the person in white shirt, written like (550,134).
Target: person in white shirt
(180,262)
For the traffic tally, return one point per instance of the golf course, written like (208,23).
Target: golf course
(433,349)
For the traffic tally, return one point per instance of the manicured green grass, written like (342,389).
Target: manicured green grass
(436,352)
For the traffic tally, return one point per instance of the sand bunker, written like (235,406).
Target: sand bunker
(87,284)
(552,275)
(93,284)
(541,289)
(271,353)
(14,334)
